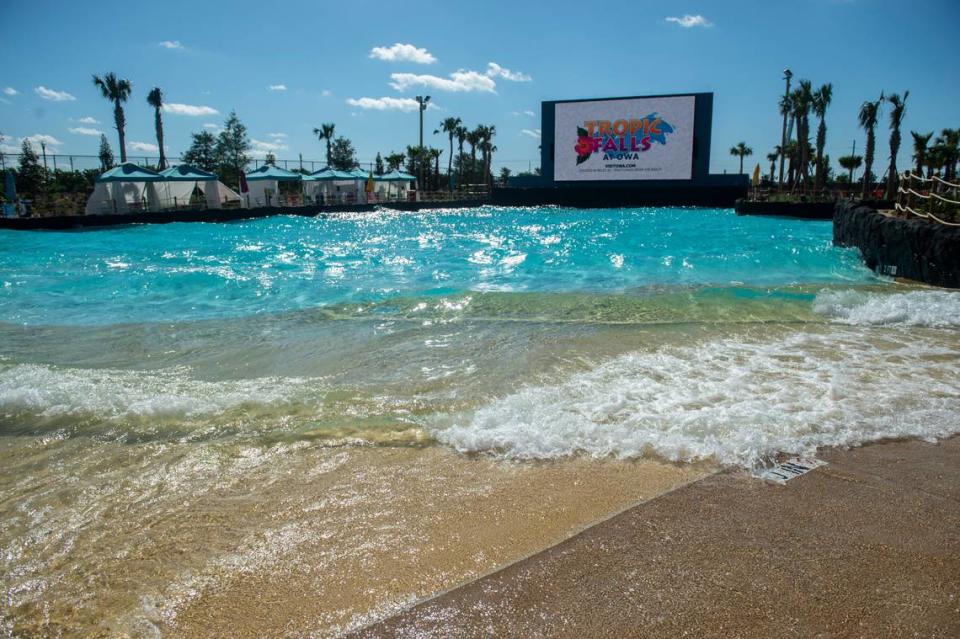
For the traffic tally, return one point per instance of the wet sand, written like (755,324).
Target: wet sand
(305,541)
(868,546)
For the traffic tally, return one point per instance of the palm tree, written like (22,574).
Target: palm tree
(851,163)
(772,157)
(486,148)
(949,140)
(920,142)
(155,99)
(325,132)
(395,161)
(117,91)
(897,111)
(869,113)
(821,100)
(802,101)
(741,151)
(435,156)
(449,126)
(785,110)
(461,134)
(474,138)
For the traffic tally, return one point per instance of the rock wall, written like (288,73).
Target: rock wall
(915,249)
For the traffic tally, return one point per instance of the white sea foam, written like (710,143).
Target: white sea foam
(53,391)
(915,308)
(737,401)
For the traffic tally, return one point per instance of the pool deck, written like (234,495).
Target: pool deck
(867,546)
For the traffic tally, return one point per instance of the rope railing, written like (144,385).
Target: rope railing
(937,205)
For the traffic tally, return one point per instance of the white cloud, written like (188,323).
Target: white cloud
(83,130)
(211,125)
(402,53)
(145,147)
(10,91)
(689,21)
(458,81)
(388,104)
(88,120)
(188,109)
(51,94)
(9,148)
(276,136)
(171,44)
(325,93)
(37,138)
(494,70)
(277,87)
(535,133)
(267,147)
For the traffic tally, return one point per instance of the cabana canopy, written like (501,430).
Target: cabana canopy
(275,173)
(394,176)
(331,175)
(186,173)
(129,173)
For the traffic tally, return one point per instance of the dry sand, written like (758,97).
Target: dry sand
(868,546)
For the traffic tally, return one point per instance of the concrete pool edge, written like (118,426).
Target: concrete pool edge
(728,554)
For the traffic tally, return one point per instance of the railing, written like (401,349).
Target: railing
(931,198)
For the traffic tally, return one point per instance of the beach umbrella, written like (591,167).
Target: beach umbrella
(756,175)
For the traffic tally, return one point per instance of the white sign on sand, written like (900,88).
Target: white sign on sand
(785,471)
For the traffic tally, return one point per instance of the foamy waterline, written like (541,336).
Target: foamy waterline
(107,393)
(933,308)
(736,401)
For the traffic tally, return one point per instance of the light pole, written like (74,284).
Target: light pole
(787,74)
(422,102)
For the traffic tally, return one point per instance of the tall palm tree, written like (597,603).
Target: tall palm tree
(155,99)
(851,163)
(486,149)
(802,101)
(772,157)
(821,100)
(395,161)
(474,138)
(435,156)
(325,133)
(741,151)
(920,143)
(898,108)
(949,141)
(117,90)
(869,113)
(461,134)
(449,126)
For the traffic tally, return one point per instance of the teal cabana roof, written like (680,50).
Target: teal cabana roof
(186,173)
(129,172)
(360,174)
(395,176)
(270,172)
(331,175)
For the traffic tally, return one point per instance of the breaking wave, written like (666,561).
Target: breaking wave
(737,401)
(933,308)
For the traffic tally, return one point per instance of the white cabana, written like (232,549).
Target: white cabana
(125,188)
(181,182)
(396,184)
(336,187)
(263,185)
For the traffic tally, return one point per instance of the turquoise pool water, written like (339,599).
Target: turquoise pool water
(185,407)
(179,272)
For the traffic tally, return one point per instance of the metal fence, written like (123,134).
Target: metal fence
(75,162)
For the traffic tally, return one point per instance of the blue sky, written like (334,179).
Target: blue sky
(287,67)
